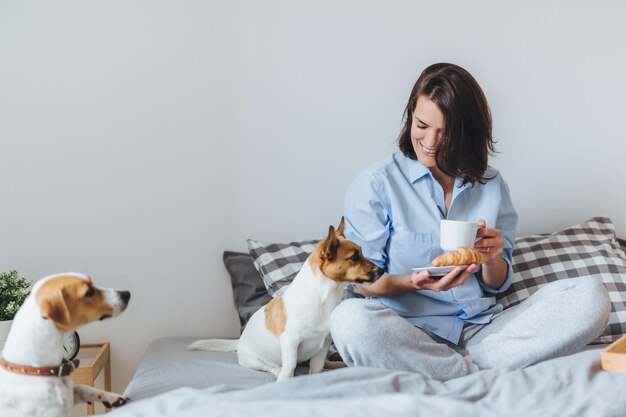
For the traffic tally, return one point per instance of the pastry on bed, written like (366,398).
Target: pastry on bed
(461,256)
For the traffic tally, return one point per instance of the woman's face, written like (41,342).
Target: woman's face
(426,130)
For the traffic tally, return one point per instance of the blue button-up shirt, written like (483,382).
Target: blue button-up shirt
(393,209)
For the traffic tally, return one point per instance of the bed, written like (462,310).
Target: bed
(173,381)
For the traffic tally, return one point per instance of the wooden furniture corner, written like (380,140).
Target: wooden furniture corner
(87,373)
(613,357)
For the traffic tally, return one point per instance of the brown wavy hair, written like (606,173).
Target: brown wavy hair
(466,143)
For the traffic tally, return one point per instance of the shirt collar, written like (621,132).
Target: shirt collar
(458,187)
(415,170)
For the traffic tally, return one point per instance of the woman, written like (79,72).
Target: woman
(449,327)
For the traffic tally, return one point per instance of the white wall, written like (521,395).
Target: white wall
(139,139)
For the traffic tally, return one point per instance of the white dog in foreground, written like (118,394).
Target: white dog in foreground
(294,327)
(34,376)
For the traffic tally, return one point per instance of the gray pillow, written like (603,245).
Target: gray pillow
(249,293)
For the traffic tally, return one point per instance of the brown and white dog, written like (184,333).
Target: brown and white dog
(294,327)
(34,378)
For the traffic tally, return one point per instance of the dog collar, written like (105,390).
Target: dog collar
(64,369)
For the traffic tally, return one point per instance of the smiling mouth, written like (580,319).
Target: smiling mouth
(428,151)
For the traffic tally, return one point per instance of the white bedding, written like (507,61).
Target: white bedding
(569,386)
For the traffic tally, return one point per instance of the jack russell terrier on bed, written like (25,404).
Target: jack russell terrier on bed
(294,327)
(34,376)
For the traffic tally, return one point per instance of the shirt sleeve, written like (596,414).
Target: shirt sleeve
(367,218)
(507,224)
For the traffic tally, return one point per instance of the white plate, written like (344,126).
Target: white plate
(439,271)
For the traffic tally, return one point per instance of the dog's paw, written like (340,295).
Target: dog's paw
(114,401)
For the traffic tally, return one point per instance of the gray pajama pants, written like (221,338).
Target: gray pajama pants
(560,318)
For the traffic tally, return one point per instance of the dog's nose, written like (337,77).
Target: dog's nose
(125,296)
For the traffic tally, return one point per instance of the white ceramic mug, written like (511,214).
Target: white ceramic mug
(456,233)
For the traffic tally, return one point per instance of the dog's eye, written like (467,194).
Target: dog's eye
(90,292)
(355,258)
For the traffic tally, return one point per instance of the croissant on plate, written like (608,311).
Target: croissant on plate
(461,256)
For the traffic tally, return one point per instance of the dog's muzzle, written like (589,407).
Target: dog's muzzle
(117,300)
(124,297)
(378,272)
(373,276)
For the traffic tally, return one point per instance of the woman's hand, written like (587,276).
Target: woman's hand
(390,285)
(490,244)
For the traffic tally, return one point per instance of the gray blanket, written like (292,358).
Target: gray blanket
(569,386)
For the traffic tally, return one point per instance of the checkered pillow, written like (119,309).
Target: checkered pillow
(279,263)
(588,249)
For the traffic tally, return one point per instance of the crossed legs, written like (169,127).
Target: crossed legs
(559,319)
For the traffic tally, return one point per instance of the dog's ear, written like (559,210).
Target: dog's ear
(332,243)
(341,227)
(54,307)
